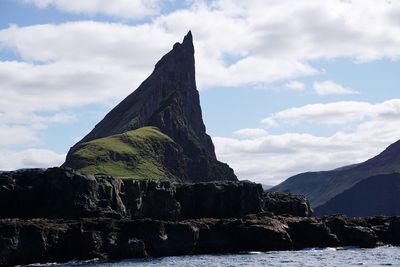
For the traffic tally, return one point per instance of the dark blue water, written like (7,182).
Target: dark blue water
(381,256)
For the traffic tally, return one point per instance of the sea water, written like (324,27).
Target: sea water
(380,256)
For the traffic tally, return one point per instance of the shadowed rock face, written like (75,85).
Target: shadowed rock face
(43,240)
(64,193)
(67,194)
(168,99)
(284,203)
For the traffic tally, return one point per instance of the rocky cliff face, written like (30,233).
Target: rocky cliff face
(43,240)
(59,193)
(168,99)
(59,215)
(283,203)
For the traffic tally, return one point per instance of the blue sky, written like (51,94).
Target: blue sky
(285,87)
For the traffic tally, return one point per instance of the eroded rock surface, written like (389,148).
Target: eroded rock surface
(284,203)
(43,240)
(67,194)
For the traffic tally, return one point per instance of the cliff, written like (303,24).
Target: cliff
(168,100)
(59,215)
(59,193)
(43,240)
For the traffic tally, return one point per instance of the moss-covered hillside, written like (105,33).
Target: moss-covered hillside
(145,153)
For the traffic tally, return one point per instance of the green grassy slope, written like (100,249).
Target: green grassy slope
(144,153)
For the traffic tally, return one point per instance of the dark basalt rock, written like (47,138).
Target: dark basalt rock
(310,232)
(285,203)
(59,193)
(233,235)
(219,199)
(394,231)
(43,240)
(151,199)
(86,217)
(64,193)
(351,233)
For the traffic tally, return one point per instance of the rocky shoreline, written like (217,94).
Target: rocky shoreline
(58,215)
(43,240)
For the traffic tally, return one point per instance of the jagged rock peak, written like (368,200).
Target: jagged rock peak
(168,99)
(180,58)
(187,42)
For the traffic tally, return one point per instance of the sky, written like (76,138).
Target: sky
(285,86)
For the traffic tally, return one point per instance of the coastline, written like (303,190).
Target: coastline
(59,215)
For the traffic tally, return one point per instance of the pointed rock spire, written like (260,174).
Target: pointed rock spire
(168,99)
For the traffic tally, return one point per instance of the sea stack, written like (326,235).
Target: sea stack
(157,131)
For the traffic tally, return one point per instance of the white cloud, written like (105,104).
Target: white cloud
(331,88)
(79,63)
(280,40)
(18,135)
(335,113)
(280,43)
(116,8)
(250,132)
(296,85)
(271,158)
(269,122)
(29,158)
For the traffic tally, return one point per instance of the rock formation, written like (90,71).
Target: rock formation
(320,187)
(168,99)
(42,240)
(59,193)
(58,215)
(283,203)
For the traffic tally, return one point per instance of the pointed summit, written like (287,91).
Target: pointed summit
(168,99)
(182,53)
(188,39)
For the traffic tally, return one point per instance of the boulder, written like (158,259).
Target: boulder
(281,203)
(235,235)
(310,232)
(350,234)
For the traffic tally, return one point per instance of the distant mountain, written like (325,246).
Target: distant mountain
(377,195)
(168,100)
(320,187)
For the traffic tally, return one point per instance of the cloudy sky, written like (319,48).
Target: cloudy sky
(286,86)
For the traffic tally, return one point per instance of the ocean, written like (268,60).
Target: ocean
(380,256)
